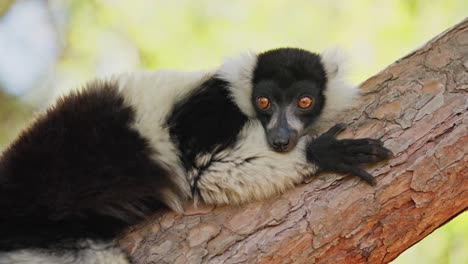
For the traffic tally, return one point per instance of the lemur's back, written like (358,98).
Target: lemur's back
(80,171)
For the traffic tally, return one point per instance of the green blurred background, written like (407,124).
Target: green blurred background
(50,47)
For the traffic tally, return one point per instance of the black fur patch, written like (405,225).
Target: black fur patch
(206,119)
(80,171)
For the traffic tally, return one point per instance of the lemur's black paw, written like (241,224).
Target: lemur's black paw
(344,155)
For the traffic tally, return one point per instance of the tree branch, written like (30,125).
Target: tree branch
(418,107)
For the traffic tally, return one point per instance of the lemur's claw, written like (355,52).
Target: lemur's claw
(336,129)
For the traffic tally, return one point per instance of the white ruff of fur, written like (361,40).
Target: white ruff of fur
(339,93)
(153,95)
(250,170)
(238,71)
(88,253)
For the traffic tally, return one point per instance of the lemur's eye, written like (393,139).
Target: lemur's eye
(263,102)
(305,102)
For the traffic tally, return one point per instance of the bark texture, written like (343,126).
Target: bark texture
(418,107)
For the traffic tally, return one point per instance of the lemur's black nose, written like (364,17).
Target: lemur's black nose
(280,143)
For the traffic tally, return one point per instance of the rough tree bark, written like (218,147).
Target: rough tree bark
(418,107)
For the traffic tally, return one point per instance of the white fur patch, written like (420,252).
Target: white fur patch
(238,71)
(339,93)
(273,120)
(153,95)
(293,121)
(251,171)
(88,253)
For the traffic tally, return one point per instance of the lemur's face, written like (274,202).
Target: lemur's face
(287,94)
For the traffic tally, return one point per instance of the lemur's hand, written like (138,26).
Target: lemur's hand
(331,154)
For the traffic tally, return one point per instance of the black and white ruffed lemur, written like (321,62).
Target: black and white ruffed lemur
(103,157)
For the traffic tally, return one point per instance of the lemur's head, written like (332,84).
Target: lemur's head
(287,94)
(288,90)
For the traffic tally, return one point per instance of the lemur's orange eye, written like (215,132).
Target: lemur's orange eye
(305,102)
(263,102)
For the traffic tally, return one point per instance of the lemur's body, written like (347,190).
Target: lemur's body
(104,157)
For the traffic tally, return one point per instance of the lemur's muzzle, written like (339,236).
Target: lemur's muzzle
(281,137)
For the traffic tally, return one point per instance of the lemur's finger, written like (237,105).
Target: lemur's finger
(336,129)
(358,172)
(377,150)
